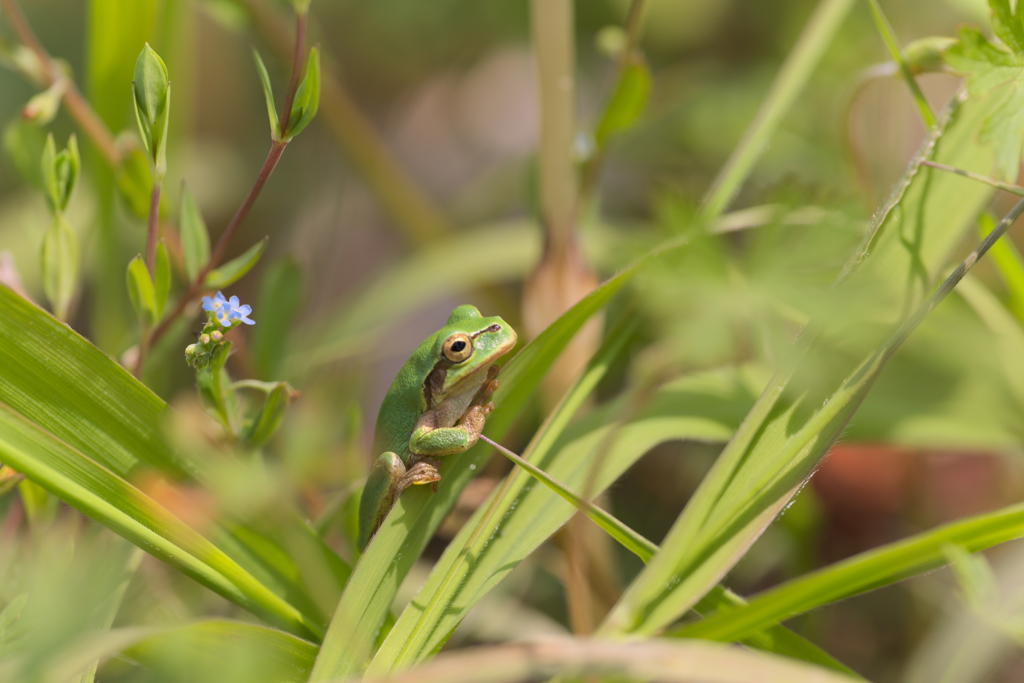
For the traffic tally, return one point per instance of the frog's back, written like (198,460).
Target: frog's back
(404,403)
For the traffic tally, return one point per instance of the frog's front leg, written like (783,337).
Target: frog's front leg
(388,478)
(430,439)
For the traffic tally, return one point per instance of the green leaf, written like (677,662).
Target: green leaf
(268,93)
(141,291)
(212,383)
(307,97)
(229,651)
(81,426)
(1006,26)
(134,182)
(233,270)
(99,493)
(60,265)
(996,77)
(808,404)
(195,238)
(161,278)
(861,573)
(279,303)
(627,101)
(151,90)
(270,415)
(60,172)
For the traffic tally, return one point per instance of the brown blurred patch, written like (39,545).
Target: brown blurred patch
(876,493)
(191,504)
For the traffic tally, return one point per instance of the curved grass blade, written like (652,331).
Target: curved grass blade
(105,431)
(807,404)
(115,503)
(860,573)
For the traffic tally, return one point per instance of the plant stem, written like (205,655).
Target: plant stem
(77,106)
(998,184)
(416,215)
(553,38)
(196,288)
(923,108)
(293,79)
(792,78)
(151,227)
(630,539)
(276,150)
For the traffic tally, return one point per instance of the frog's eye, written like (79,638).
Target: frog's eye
(457,347)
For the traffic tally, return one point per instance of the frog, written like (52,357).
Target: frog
(436,406)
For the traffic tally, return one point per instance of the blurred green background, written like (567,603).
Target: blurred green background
(449,90)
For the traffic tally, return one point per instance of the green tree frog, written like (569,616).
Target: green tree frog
(436,406)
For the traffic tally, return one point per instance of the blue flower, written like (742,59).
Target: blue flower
(227,311)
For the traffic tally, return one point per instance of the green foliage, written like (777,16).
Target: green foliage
(233,270)
(142,291)
(268,93)
(151,90)
(683,387)
(307,97)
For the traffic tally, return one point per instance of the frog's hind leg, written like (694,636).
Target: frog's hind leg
(386,482)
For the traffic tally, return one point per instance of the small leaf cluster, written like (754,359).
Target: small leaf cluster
(218,394)
(60,246)
(305,104)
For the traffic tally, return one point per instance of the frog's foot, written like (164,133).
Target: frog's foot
(422,471)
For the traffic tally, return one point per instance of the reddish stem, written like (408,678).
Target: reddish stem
(76,105)
(293,78)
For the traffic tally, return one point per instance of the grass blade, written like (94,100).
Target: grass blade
(861,573)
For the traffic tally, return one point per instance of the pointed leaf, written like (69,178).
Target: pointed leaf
(60,265)
(151,90)
(627,101)
(1006,26)
(269,418)
(233,270)
(141,291)
(307,97)
(268,93)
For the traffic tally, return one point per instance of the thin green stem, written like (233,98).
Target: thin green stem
(885,29)
(630,539)
(998,184)
(197,287)
(795,72)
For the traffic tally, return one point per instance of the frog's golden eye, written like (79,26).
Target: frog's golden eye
(457,347)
